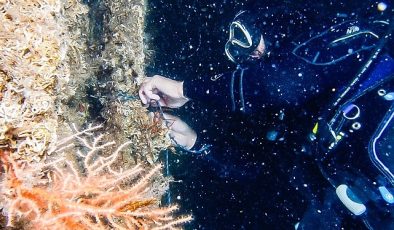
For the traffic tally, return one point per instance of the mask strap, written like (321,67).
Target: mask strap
(241,90)
(232,89)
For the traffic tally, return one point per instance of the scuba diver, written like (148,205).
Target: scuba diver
(338,79)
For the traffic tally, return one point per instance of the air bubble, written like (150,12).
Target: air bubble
(382,6)
(381,92)
(356,125)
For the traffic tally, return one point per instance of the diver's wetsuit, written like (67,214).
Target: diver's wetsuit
(270,103)
(264,112)
(282,95)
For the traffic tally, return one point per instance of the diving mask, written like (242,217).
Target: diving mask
(244,38)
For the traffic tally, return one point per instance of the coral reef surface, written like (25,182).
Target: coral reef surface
(31,68)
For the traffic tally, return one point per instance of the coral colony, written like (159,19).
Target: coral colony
(91,195)
(80,181)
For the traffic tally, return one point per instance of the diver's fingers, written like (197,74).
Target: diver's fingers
(148,93)
(143,88)
(175,124)
(171,120)
(168,116)
(162,102)
(187,141)
(152,92)
(180,132)
(142,96)
(176,136)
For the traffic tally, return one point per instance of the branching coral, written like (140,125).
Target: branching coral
(90,195)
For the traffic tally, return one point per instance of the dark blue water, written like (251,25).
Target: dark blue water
(187,38)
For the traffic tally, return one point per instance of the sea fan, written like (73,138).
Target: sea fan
(84,194)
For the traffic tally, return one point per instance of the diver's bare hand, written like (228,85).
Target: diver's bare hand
(166,91)
(180,132)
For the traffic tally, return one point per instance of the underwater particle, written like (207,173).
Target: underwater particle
(281,115)
(272,135)
(382,6)
(342,15)
(389,96)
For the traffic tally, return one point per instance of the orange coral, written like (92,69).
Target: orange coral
(55,196)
